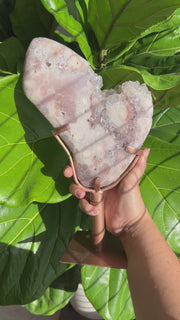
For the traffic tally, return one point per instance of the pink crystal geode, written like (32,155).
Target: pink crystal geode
(102,123)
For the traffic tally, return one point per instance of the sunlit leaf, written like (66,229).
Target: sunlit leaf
(108,291)
(31,160)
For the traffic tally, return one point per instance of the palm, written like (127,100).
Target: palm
(123,204)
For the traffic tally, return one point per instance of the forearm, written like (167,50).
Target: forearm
(153,272)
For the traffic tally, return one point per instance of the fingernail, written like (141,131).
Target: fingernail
(95,211)
(79,193)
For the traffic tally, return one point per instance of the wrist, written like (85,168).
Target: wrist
(135,231)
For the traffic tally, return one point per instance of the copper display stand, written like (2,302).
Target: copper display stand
(98,248)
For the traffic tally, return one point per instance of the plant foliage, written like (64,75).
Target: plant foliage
(122,40)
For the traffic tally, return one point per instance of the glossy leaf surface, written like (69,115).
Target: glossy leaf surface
(28,151)
(108,291)
(166,125)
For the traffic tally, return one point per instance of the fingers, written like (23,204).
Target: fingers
(140,165)
(77,191)
(80,194)
(85,206)
(68,172)
(88,208)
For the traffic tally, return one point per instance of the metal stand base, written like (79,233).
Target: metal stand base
(81,251)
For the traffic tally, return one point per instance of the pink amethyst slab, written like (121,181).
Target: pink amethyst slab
(102,123)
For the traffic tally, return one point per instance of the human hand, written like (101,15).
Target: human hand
(123,204)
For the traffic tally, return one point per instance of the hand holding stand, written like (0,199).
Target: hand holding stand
(100,248)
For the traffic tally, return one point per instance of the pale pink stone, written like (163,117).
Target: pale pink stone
(102,124)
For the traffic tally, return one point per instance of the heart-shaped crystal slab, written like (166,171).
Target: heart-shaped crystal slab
(101,123)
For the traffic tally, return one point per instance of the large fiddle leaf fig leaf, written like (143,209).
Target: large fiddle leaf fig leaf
(32,162)
(160,187)
(107,289)
(166,125)
(32,240)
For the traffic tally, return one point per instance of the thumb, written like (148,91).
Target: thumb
(136,173)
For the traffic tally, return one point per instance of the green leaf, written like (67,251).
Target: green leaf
(70,16)
(32,240)
(166,125)
(162,175)
(160,82)
(115,22)
(6,6)
(164,87)
(29,251)
(12,53)
(58,294)
(29,20)
(162,182)
(108,291)
(165,43)
(161,38)
(32,161)
(156,64)
(166,98)
(117,74)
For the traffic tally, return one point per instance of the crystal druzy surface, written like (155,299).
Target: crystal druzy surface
(102,123)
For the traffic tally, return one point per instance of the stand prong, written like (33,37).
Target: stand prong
(59,130)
